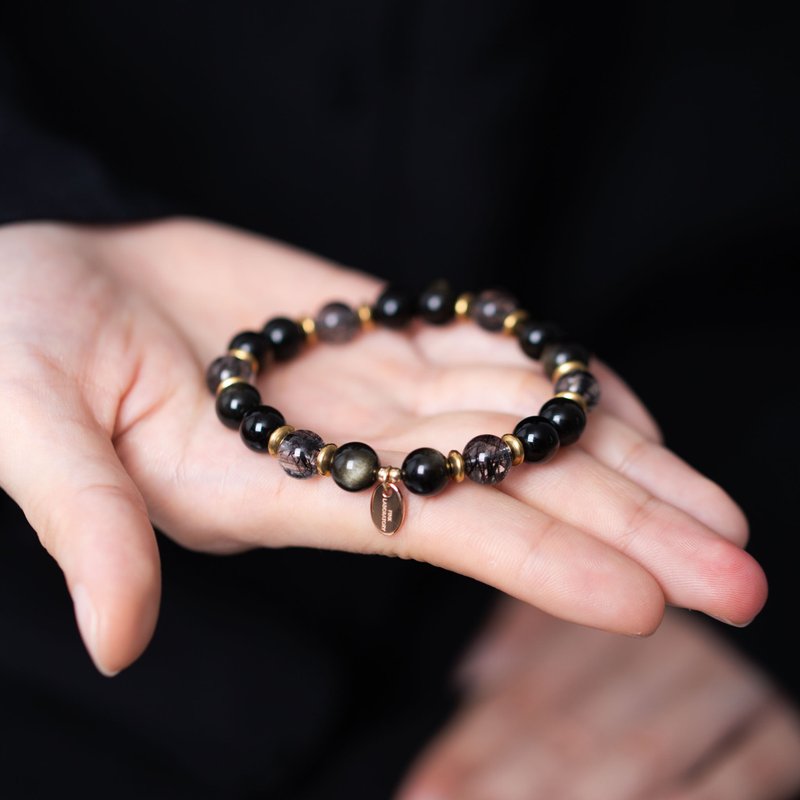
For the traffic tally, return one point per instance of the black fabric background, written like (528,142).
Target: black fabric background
(632,172)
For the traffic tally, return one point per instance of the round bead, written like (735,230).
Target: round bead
(226,367)
(252,342)
(533,336)
(394,308)
(285,336)
(567,418)
(553,355)
(337,323)
(235,401)
(487,459)
(258,425)
(539,438)
(437,304)
(490,308)
(424,471)
(580,382)
(297,453)
(354,466)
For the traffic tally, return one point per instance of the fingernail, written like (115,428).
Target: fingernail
(731,623)
(87,619)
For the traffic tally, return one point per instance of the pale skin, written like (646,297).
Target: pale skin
(107,425)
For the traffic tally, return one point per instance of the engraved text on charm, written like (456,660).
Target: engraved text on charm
(387,508)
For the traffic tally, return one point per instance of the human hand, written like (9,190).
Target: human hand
(106,424)
(554,710)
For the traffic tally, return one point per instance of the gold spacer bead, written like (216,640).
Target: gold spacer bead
(455,465)
(512,320)
(394,474)
(229,382)
(575,398)
(309,327)
(566,368)
(517,449)
(244,355)
(364,312)
(463,303)
(325,459)
(277,436)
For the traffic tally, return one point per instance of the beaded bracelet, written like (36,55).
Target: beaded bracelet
(355,466)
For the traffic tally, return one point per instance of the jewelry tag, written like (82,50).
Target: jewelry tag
(387,508)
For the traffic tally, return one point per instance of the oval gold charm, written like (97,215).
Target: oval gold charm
(387,508)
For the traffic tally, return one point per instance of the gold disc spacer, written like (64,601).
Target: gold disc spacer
(364,312)
(325,459)
(309,327)
(564,369)
(388,475)
(517,449)
(277,436)
(512,320)
(463,303)
(455,466)
(576,398)
(230,381)
(246,355)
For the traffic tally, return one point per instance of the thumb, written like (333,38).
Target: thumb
(61,468)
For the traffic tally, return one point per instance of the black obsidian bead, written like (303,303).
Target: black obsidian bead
(554,355)
(354,466)
(539,438)
(234,401)
(286,337)
(251,342)
(437,303)
(394,308)
(424,471)
(533,336)
(487,459)
(297,453)
(567,418)
(226,367)
(490,308)
(337,323)
(580,382)
(258,425)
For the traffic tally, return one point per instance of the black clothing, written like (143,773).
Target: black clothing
(632,173)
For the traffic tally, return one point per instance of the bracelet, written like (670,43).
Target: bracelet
(355,466)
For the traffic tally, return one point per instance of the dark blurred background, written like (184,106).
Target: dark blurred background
(630,171)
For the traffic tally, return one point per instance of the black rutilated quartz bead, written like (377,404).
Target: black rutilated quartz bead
(424,471)
(490,308)
(226,367)
(487,459)
(251,342)
(394,308)
(580,382)
(437,303)
(258,425)
(554,355)
(533,336)
(286,337)
(567,418)
(539,439)
(337,323)
(297,453)
(354,466)
(234,401)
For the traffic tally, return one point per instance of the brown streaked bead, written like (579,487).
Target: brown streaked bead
(455,466)
(512,320)
(277,437)
(576,398)
(463,303)
(324,459)
(566,368)
(517,451)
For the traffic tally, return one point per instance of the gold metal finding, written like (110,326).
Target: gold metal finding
(566,368)
(463,303)
(386,507)
(516,448)
(576,398)
(455,466)
(309,327)
(277,436)
(364,312)
(245,355)
(325,459)
(512,320)
(229,382)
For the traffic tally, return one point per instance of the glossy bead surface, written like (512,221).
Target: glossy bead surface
(394,308)
(258,425)
(567,418)
(424,471)
(234,401)
(487,459)
(354,466)
(539,438)
(533,336)
(490,308)
(226,367)
(337,323)
(437,303)
(556,354)
(580,382)
(285,336)
(252,342)
(297,453)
